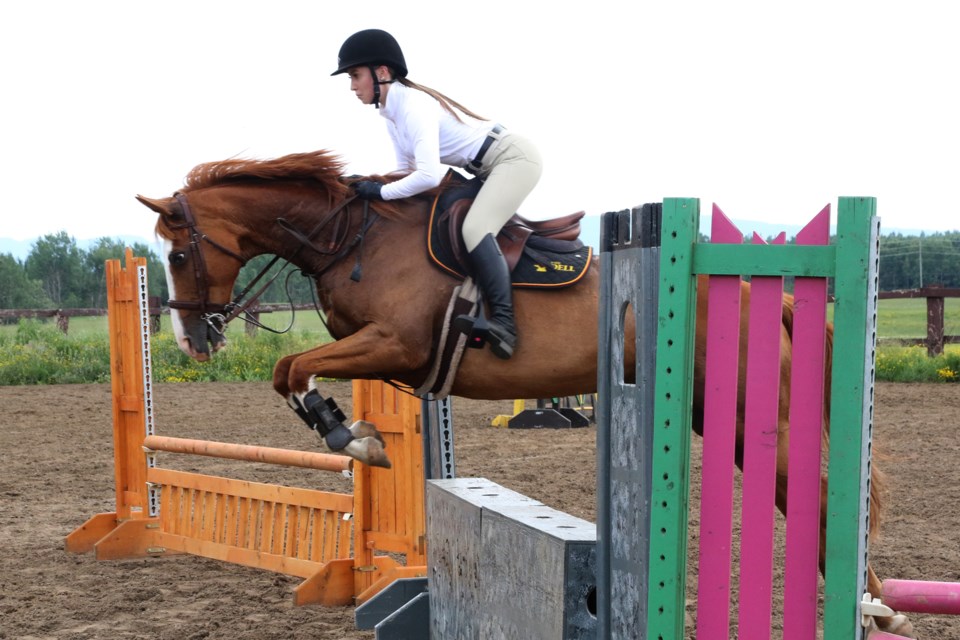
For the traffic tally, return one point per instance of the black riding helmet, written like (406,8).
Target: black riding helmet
(371,48)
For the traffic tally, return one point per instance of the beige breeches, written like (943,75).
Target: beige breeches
(511,169)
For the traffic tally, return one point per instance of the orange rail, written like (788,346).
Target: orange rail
(252,453)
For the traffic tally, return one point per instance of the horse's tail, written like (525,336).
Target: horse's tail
(877,478)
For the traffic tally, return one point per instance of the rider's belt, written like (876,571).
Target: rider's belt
(474,165)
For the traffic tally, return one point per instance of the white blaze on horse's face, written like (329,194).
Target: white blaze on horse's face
(175,320)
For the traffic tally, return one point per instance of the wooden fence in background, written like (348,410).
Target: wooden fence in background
(935,296)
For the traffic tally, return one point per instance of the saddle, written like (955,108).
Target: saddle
(539,253)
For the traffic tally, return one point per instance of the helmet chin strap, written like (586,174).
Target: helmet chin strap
(376,85)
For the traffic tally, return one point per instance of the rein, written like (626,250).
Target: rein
(217,316)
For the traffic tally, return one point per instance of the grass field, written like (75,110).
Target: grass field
(896,319)
(84,327)
(36,352)
(907,318)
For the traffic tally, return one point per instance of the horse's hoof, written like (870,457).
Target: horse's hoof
(363,429)
(897,624)
(369,451)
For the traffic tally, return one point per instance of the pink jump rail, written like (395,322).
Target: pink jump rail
(760,447)
(918,596)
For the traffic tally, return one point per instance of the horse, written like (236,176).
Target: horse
(385,302)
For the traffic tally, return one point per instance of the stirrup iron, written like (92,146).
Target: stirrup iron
(476,328)
(479,332)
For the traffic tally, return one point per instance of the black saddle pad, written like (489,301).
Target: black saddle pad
(544,262)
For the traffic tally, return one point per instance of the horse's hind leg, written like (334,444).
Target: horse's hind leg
(897,624)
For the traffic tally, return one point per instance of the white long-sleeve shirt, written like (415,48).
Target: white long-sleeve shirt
(426,137)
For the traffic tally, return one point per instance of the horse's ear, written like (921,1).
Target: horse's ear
(161,206)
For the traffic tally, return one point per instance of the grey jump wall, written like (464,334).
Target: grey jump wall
(504,565)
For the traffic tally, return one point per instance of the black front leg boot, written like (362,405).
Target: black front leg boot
(489,268)
(325,417)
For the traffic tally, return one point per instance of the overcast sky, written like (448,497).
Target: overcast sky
(770,109)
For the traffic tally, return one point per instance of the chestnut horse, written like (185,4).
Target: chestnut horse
(388,321)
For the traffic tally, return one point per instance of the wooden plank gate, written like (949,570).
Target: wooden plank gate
(335,542)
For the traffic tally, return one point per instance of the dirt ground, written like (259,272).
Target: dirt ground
(56,471)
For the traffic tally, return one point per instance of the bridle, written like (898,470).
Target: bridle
(217,316)
(209,311)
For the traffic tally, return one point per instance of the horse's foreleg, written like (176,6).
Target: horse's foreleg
(369,352)
(360,441)
(320,414)
(281,374)
(352,357)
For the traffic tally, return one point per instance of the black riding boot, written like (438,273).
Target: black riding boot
(489,269)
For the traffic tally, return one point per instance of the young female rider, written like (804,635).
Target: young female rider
(427,132)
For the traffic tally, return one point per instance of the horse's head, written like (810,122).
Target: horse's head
(202,262)
(227,213)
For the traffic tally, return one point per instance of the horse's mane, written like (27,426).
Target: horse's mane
(321,167)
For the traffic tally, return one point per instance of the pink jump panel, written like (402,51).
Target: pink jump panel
(761,419)
(806,423)
(719,440)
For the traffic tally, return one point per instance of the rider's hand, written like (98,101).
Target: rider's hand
(368,190)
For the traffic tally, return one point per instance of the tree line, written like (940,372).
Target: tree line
(911,262)
(58,274)
(908,262)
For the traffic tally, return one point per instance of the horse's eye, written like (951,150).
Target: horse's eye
(177,258)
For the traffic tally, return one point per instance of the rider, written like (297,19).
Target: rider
(427,132)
